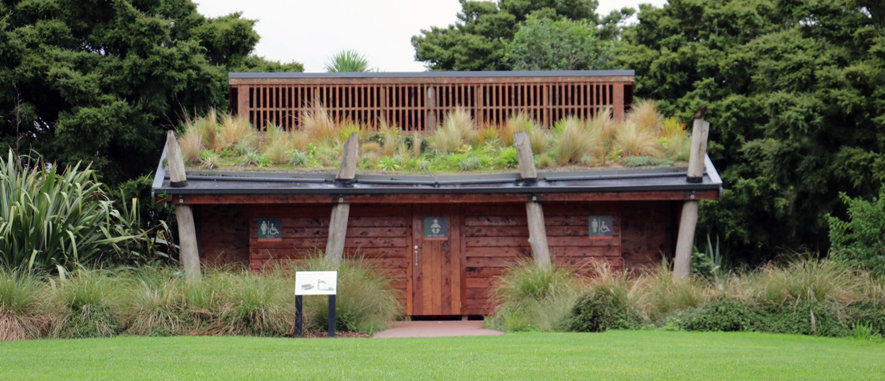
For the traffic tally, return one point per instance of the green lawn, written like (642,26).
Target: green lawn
(617,355)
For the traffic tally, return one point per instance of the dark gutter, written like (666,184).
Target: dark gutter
(438,74)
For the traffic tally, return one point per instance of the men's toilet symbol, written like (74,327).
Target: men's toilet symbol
(600,226)
(435,228)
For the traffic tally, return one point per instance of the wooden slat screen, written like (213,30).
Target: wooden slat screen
(416,106)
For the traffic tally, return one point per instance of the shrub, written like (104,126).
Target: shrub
(860,240)
(21,311)
(365,301)
(869,313)
(723,314)
(808,318)
(50,219)
(87,302)
(529,297)
(602,309)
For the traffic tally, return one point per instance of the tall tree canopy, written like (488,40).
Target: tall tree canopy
(796,96)
(99,80)
(478,40)
(548,44)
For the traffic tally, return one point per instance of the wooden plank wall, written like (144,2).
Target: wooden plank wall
(222,233)
(649,232)
(379,234)
(496,237)
(422,106)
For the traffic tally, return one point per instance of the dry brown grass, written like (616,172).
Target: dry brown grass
(516,123)
(574,142)
(635,140)
(457,129)
(233,129)
(277,151)
(645,115)
(190,146)
(319,125)
(298,140)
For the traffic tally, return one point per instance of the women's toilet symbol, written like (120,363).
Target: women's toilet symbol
(270,229)
(435,228)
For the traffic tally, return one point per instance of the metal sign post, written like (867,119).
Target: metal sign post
(315,283)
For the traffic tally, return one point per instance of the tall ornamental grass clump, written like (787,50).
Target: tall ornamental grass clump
(52,216)
(22,312)
(88,302)
(365,300)
(534,298)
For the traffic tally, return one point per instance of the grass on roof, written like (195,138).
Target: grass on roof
(458,144)
(613,355)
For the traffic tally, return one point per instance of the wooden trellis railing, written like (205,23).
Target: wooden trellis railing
(420,101)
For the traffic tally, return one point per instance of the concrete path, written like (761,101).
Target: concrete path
(437,329)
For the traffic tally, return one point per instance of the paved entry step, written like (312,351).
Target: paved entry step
(437,329)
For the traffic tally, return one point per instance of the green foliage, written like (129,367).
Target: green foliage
(532,298)
(811,280)
(870,314)
(601,309)
(88,302)
(809,318)
(558,44)
(101,82)
(860,241)
(723,314)
(478,40)
(794,93)
(365,301)
(645,161)
(347,61)
(50,218)
(21,311)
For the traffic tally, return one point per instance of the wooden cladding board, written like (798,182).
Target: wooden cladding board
(422,106)
(496,237)
(486,240)
(378,234)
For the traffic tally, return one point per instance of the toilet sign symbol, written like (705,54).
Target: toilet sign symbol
(601,226)
(269,229)
(435,226)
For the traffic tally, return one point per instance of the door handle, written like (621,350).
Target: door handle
(416,255)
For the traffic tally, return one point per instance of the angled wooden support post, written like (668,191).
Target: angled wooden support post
(534,210)
(341,210)
(689,220)
(187,232)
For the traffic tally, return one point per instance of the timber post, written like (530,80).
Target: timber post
(689,219)
(187,233)
(341,210)
(534,210)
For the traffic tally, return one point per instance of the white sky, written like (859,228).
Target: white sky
(310,31)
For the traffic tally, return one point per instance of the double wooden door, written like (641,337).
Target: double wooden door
(436,260)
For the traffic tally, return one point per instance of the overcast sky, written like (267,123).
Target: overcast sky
(309,31)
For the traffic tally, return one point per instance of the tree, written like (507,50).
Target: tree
(794,91)
(478,40)
(347,61)
(546,44)
(99,81)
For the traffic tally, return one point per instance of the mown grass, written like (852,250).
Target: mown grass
(614,355)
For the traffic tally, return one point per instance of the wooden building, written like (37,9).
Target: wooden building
(443,237)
